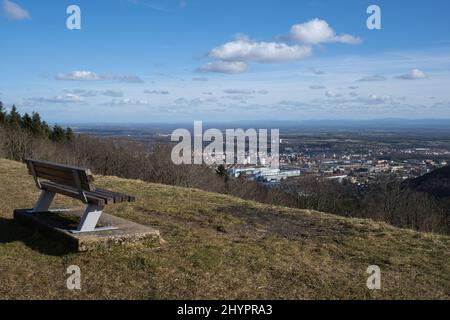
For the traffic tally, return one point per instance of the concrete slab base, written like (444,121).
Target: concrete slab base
(60,224)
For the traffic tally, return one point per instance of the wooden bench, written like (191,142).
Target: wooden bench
(76,183)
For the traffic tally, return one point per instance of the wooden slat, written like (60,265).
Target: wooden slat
(117,197)
(62,174)
(33,173)
(54,164)
(65,176)
(60,180)
(93,194)
(73,193)
(122,196)
(106,195)
(108,199)
(127,198)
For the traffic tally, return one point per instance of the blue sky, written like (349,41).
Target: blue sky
(146,61)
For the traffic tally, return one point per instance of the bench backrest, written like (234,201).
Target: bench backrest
(74,177)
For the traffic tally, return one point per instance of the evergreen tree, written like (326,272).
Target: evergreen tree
(36,124)
(58,133)
(69,134)
(2,113)
(14,119)
(27,122)
(222,171)
(46,130)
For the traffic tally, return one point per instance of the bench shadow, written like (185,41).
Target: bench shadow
(11,231)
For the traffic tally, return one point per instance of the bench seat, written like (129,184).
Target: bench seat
(78,183)
(100,197)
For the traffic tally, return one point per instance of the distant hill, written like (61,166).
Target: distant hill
(218,247)
(436,183)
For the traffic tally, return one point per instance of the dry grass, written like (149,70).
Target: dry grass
(219,247)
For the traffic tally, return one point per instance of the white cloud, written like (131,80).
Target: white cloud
(93,93)
(375,99)
(195,102)
(233,56)
(67,98)
(13,11)
(149,4)
(131,78)
(245,92)
(317,87)
(163,92)
(331,94)
(316,71)
(224,67)
(238,91)
(239,97)
(414,74)
(200,79)
(113,93)
(82,93)
(356,100)
(92,76)
(372,78)
(292,104)
(129,102)
(244,49)
(78,76)
(318,31)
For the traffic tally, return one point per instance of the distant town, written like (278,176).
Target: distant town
(357,166)
(351,155)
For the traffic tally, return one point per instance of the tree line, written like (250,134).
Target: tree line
(33,125)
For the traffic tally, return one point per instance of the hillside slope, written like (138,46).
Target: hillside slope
(218,247)
(436,183)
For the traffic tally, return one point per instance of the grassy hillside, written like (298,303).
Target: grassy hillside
(218,247)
